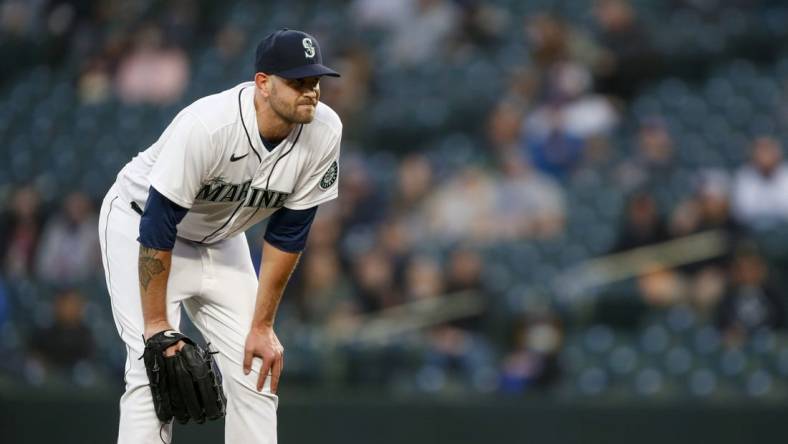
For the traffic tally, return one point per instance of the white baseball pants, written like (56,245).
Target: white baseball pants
(217,286)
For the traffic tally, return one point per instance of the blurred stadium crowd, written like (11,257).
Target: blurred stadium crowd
(491,149)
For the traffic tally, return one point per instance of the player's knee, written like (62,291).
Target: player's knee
(244,388)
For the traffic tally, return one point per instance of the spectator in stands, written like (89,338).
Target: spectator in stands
(373,275)
(348,96)
(584,114)
(529,204)
(457,356)
(418,30)
(482,25)
(20,234)
(556,133)
(396,239)
(18,18)
(549,146)
(424,279)
(760,190)
(707,287)
(361,203)
(699,283)
(381,14)
(405,224)
(327,225)
(230,42)
(652,165)
(463,273)
(464,270)
(29,35)
(660,286)
(425,34)
(154,72)
(69,251)
(549,40)
(68,340)
(643,225)
(180,21)
(414,182)
(95,81)
(523,86)
(553,40)
(325,295)
(532,361)
(630,59)
(460,209)
(504,127)
(708,208)
(751,302)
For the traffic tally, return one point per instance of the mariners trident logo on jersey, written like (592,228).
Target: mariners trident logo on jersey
(217,190)
(330,177)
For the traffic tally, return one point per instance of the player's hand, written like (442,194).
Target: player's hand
(152,329)
(262,343)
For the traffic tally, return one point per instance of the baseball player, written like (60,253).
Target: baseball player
(172,234)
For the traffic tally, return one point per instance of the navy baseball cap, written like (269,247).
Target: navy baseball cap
(291,54)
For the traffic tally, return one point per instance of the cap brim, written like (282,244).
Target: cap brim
(312,70)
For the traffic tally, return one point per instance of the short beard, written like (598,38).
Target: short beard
(288,114)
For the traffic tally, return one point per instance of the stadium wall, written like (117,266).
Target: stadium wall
(329,419)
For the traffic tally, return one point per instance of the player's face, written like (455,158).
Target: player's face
(295,100)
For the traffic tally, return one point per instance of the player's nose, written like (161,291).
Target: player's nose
(311,97)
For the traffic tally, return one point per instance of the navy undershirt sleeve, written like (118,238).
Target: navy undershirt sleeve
(158,225)
(288,229)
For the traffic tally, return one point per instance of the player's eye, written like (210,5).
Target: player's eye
(301,84)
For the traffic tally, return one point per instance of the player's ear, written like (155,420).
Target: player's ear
(263,83)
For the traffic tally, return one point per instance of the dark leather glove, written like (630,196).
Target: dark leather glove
(185,386)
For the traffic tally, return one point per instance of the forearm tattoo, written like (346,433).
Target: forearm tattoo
(149,266)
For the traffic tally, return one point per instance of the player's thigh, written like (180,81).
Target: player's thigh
(118,230)
(187,272)
(224,309)
(119,250)
(223,312)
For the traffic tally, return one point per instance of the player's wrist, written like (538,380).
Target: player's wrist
(263,327)
(155,327)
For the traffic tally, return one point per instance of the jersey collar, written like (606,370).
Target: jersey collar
(249,119)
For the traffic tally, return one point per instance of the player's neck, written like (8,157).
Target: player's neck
(271,126)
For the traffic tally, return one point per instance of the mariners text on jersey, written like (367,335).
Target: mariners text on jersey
(217,190)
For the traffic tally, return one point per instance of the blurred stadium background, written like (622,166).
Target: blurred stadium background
(559,221)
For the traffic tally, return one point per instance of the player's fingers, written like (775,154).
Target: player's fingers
(265,368)
(174,348)
(248,355)
(276,373)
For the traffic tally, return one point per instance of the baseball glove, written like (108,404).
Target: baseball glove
(186,385)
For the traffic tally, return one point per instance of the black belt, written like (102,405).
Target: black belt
(136,208)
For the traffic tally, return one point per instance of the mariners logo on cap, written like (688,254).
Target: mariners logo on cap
(309,47)
(330,177)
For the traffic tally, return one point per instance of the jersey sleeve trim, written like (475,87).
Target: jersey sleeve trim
(158,224)
(169,195)
(305,205)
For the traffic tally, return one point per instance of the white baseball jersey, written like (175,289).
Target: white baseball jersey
(211,160)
